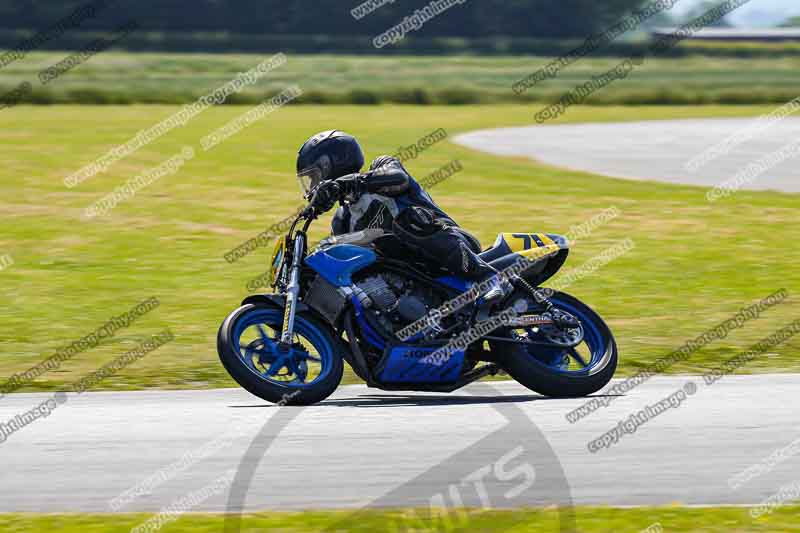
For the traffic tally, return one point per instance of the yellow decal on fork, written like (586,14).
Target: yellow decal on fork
(286,310)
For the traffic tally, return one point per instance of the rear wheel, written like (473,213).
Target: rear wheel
(557,371)
(304,373)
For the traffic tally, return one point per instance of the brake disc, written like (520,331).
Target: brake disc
(567,338)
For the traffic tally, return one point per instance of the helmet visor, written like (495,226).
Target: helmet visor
(306,184)
(312,176)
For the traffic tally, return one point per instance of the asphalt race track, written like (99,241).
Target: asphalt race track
(361,447)
(653,150)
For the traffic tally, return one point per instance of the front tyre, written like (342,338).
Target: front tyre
(562,372)
(304,373)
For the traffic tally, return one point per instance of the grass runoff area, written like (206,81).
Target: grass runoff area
(588,520)
(123,78)
(694,265)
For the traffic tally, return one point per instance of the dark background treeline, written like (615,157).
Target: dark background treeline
(475,18)
(481,27)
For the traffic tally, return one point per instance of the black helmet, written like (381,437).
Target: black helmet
(327,156)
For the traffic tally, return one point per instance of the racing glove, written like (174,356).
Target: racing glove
(351,186)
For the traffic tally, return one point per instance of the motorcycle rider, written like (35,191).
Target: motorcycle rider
(386,197)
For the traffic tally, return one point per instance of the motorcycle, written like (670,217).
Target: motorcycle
(403,323)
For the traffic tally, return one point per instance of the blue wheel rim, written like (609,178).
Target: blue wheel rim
(593,339)
(294,367)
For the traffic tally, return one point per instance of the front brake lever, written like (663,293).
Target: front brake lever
(309,212)
(310,194)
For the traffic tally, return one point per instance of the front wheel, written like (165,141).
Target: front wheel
(304,373)
(558,372)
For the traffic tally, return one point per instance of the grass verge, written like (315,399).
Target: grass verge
(588,520)
(695,264)
(160,78)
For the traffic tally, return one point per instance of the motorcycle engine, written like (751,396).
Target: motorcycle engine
(395,301)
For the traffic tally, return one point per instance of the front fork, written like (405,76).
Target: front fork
(293,290)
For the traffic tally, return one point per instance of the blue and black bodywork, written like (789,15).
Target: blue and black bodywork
(403,364)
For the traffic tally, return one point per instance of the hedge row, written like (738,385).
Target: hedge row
(420,96)
(313,44)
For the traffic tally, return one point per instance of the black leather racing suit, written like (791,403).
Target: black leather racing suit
(392,200)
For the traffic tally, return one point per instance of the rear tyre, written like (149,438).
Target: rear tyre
(303,374)
(588,368)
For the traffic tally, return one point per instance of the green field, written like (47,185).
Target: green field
(694,265)
(588,520)
(116,77)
